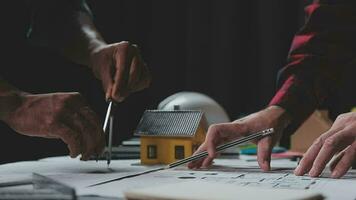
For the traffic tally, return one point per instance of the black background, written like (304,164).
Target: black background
(230,50)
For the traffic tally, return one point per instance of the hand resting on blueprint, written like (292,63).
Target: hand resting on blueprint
(121,69)
(57,115)
(339,140)
(271,117)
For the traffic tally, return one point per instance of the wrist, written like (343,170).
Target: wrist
(96,46)
(97,57)
(93,38)
(278,115)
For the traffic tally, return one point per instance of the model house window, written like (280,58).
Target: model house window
(179,152)
(151,151)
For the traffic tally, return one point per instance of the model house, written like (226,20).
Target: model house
(168,136)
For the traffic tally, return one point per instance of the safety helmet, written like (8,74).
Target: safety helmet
(213,111)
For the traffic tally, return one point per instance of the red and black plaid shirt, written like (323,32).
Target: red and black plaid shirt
(320,52)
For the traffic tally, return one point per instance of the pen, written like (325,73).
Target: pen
(198,156)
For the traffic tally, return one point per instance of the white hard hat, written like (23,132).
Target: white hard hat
(213,111)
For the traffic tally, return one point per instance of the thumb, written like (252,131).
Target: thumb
(107,83)
(108,92)
(211,155)
(211,151)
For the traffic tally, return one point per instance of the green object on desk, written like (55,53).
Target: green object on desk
(252,150)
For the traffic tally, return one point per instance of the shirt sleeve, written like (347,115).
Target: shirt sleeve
(320,52)
(55,21)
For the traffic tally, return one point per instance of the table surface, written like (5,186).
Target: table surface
(80,175)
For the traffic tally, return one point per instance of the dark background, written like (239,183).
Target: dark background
(230,50)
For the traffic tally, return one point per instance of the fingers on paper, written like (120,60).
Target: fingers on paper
(264,150)
(322,151)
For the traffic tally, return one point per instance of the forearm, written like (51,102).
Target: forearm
(10,98)
(86,40)
(320,54)
(297,100)
(65,26)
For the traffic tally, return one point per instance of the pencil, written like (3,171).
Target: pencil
(198,156)
(220,148)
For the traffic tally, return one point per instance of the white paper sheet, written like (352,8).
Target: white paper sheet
(242,179)
(226,171)
(247,176)
(197,190)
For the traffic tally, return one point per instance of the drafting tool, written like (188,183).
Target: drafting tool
(109,119)
(107,116)
(43,188)
(44,182)
(197,156)
(16,183)
(111,128)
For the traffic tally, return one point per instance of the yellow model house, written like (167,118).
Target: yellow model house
(168,136)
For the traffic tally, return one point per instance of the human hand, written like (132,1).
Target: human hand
(272,117)
(339,140)
(59,115)
(121,70)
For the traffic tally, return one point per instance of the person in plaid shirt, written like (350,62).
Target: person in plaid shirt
(320,53)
